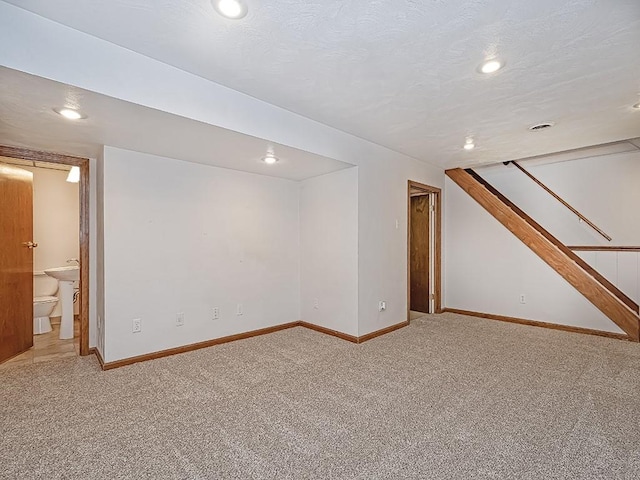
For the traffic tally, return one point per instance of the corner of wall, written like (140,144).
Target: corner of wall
(98,235)
(329,251)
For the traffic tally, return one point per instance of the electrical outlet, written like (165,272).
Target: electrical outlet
(239,309)
(136,326)
(180,319)
(316,304)
(382,305)
(216,313)
(523,298)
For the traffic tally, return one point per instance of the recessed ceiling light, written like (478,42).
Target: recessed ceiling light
(269,158)
(469,145)
(490,66)
(69,113)
(637,106)
(233,9)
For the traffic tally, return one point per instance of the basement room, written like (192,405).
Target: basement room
(319,240)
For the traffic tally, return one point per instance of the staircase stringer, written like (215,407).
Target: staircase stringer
(573,273)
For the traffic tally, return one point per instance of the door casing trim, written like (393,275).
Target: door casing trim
(412,188)
(83,164)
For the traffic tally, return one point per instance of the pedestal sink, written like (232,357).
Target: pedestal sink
(66,276)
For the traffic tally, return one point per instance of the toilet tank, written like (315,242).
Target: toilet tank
(44,285)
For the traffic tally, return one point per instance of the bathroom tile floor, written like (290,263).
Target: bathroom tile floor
(48,347)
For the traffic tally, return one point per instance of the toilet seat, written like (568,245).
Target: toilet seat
(45,299)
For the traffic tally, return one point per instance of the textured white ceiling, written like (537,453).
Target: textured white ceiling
(403,73)
(28,120)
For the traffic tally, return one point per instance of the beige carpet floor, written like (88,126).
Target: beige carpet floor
(447,397)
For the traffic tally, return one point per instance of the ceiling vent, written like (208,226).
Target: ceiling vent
(541,126)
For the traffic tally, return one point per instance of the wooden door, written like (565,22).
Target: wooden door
(419,254)
(16,261)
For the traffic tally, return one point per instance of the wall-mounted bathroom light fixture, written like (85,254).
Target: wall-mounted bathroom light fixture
(74,175)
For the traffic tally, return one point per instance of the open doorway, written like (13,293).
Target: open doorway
(17,275)
(423,250)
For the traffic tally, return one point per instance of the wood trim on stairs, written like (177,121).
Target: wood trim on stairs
(240,336)
(535,323)
(560,199)
(602,248)
(561,246)
(556,257)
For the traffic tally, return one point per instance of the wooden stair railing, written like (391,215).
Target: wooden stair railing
(600,292)
(605,248)
(566,250)
(560,199)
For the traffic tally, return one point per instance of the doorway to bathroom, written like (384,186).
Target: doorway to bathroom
(423,250)
(64,254)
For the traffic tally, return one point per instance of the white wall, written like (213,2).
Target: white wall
(56,221)
(620,268)
(382,247)
(56,218)
(40,46)
(329,251)
(604,189)
(182,237)
(487,268)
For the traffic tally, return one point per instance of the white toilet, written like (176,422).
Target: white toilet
(44,289)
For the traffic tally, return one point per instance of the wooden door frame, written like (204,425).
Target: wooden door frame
(83,164)
(437,193)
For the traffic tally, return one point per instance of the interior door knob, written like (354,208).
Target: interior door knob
(30,244)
